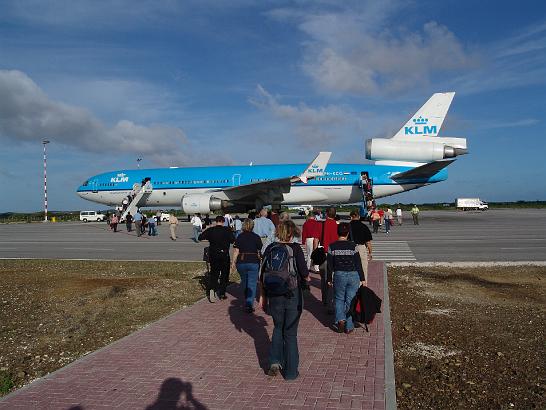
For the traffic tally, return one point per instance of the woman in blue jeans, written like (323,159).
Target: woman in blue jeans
(286,309)
(346,267)
(246,258)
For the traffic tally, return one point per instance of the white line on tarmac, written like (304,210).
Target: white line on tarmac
(529,247)
(87,249)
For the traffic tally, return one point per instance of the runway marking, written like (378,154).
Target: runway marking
(527,247)
(87,249)
(392,251)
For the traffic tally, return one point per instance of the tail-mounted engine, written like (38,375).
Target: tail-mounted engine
(415,150)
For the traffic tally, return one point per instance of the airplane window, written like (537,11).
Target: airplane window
(85,183)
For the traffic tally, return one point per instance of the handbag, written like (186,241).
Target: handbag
(318,256)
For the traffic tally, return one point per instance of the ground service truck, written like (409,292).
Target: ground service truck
(467,204)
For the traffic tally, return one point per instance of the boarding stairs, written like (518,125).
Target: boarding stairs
(139,200)
(367,195)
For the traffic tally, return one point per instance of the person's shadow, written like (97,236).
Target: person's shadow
(253,325)
(314,305)
(171,392)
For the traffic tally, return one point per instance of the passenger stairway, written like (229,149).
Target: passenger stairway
(138,200)
(368,201)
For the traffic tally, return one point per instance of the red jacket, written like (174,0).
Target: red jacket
(330,233)
(311,229)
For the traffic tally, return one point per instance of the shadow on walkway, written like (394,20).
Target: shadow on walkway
(253,325)
(171,392)
(314,305)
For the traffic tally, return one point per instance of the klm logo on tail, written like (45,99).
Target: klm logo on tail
(420,127)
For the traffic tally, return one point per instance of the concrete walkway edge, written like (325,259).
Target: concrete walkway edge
(390,385)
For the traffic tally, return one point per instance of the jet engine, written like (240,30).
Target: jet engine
(200,203)
(415,151)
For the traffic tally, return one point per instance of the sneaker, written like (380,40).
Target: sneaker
(274,370)
(212,296)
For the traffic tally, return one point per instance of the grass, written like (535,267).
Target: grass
(53,311)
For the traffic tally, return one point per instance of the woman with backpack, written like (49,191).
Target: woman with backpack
(346,267)
(283,272)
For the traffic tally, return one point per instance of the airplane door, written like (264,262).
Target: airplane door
(94,186)
(236,179)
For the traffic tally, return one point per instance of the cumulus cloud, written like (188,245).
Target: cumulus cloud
(311,125)
(356,50)
(28,114)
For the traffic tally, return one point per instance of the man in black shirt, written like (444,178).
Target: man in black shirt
(361,235)
(220,238)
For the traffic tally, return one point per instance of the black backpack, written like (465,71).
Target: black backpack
(279,274)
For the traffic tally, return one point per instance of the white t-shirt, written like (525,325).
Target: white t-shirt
(196,221)
(398,212)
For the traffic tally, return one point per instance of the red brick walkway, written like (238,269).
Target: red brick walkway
(213,356)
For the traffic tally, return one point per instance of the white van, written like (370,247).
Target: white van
(92,216)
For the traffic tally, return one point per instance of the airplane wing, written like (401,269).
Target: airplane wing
(423,172)
(272,189)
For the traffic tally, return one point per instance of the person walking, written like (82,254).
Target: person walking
(399,215)
(415,214)
(285,309)
(152,231)
(329,236)
(246,259)
(360,234)
(375,220)
(158,217)
(388,220)
(238,226)
(138,222)
(129,221)
(173,224)
(197,226)
(114,222)
(264,228)
(220,239)
(345,266)
(310,237)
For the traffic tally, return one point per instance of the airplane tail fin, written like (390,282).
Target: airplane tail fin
(428,120)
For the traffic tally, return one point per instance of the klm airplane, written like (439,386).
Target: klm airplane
(414,157)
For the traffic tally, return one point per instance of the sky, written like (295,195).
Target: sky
(186,83)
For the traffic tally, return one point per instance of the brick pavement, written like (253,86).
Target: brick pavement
(213,356)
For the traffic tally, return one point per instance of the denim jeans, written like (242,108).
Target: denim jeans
(249,277)
(346,285)
(196,232)
(286,314)
(387,225)
(151,230)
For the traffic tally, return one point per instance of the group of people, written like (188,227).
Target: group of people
(143,223)
(274,270)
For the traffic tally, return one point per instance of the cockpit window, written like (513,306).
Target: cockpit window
(85,183)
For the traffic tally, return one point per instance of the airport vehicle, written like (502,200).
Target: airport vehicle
(466,204)
(92,216)
(414,157)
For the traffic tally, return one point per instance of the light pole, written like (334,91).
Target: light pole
(138,162)
(45,142)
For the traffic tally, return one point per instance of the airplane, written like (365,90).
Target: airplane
(414,157)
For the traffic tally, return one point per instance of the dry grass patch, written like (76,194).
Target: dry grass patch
(469,337)
(53,312)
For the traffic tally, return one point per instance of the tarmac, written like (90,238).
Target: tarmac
(214,356)
(441,236)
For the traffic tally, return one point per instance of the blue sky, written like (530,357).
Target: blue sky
(214,82)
